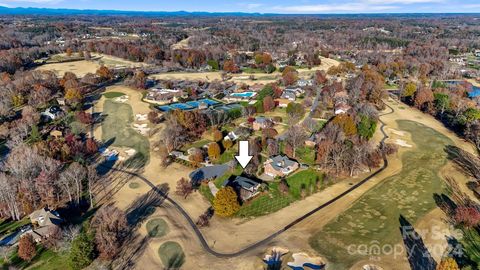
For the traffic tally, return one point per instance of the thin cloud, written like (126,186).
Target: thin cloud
(471,6)
(403,2)
(34,1)
(250,5)
(347,7)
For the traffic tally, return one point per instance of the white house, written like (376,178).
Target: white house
(52,113)
(341,108)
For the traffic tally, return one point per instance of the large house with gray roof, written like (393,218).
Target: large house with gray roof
(208,173)
(280,166)
(246,188)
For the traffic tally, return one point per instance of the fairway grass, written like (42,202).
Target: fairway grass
(113,94)
(134,185)
(171,254)
(374,218)
(117,128)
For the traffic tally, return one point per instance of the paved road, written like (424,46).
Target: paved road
(269,238)
(309,115)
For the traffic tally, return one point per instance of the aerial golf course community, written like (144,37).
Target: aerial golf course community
(239,141)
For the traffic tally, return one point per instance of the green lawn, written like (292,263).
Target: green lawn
(205,191)
(307,180)
(49,260)
(274,200)
(117,127)
(252,70)
(321,124)
(8,226)
(113,94)
(375,215)
(265,203)
(171,254)
(157,227)
(196,144)
(305,155)
(228,155)
(44,260)
(391,86)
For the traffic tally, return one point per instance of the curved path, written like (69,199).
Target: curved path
(267,239)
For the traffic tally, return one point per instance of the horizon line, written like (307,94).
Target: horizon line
(4,7)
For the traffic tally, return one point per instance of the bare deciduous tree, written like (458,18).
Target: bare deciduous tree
(184,188)
(71,181)
(295,136)
(111,227)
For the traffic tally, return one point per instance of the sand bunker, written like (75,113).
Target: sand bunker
(141,128)
(301,260)
(130,152)
(122,99)
(141,117)
(403,143)
(110,155)
(371,267)
(397,132)
(274,258)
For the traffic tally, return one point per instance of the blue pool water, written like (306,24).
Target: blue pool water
(244,94)
(475,89)
(189,105)
(475,92)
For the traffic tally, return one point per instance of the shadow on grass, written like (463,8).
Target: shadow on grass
(465,250)
(136,213)
(144,206)
(131,252)
(172,255)
(138,161)
(455,251)
(445,203)
(465,161)
(417,253)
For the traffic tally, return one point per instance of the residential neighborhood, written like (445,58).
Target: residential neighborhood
(291,135)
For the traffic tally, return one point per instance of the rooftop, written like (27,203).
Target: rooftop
(244,182)
(208,172)
(280,162)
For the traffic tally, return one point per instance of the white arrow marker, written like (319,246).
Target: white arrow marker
(243,158)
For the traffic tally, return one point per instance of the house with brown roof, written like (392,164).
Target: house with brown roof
(283,102)
(44,222)
(262,123)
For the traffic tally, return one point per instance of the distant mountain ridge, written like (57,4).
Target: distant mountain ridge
(65,11)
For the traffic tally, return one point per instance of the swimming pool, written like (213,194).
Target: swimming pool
(475,92)
(475,89)
(244,94)
(189,105)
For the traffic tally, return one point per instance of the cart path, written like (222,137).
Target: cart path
(272,236)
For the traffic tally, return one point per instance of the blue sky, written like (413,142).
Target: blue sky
(262,6)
